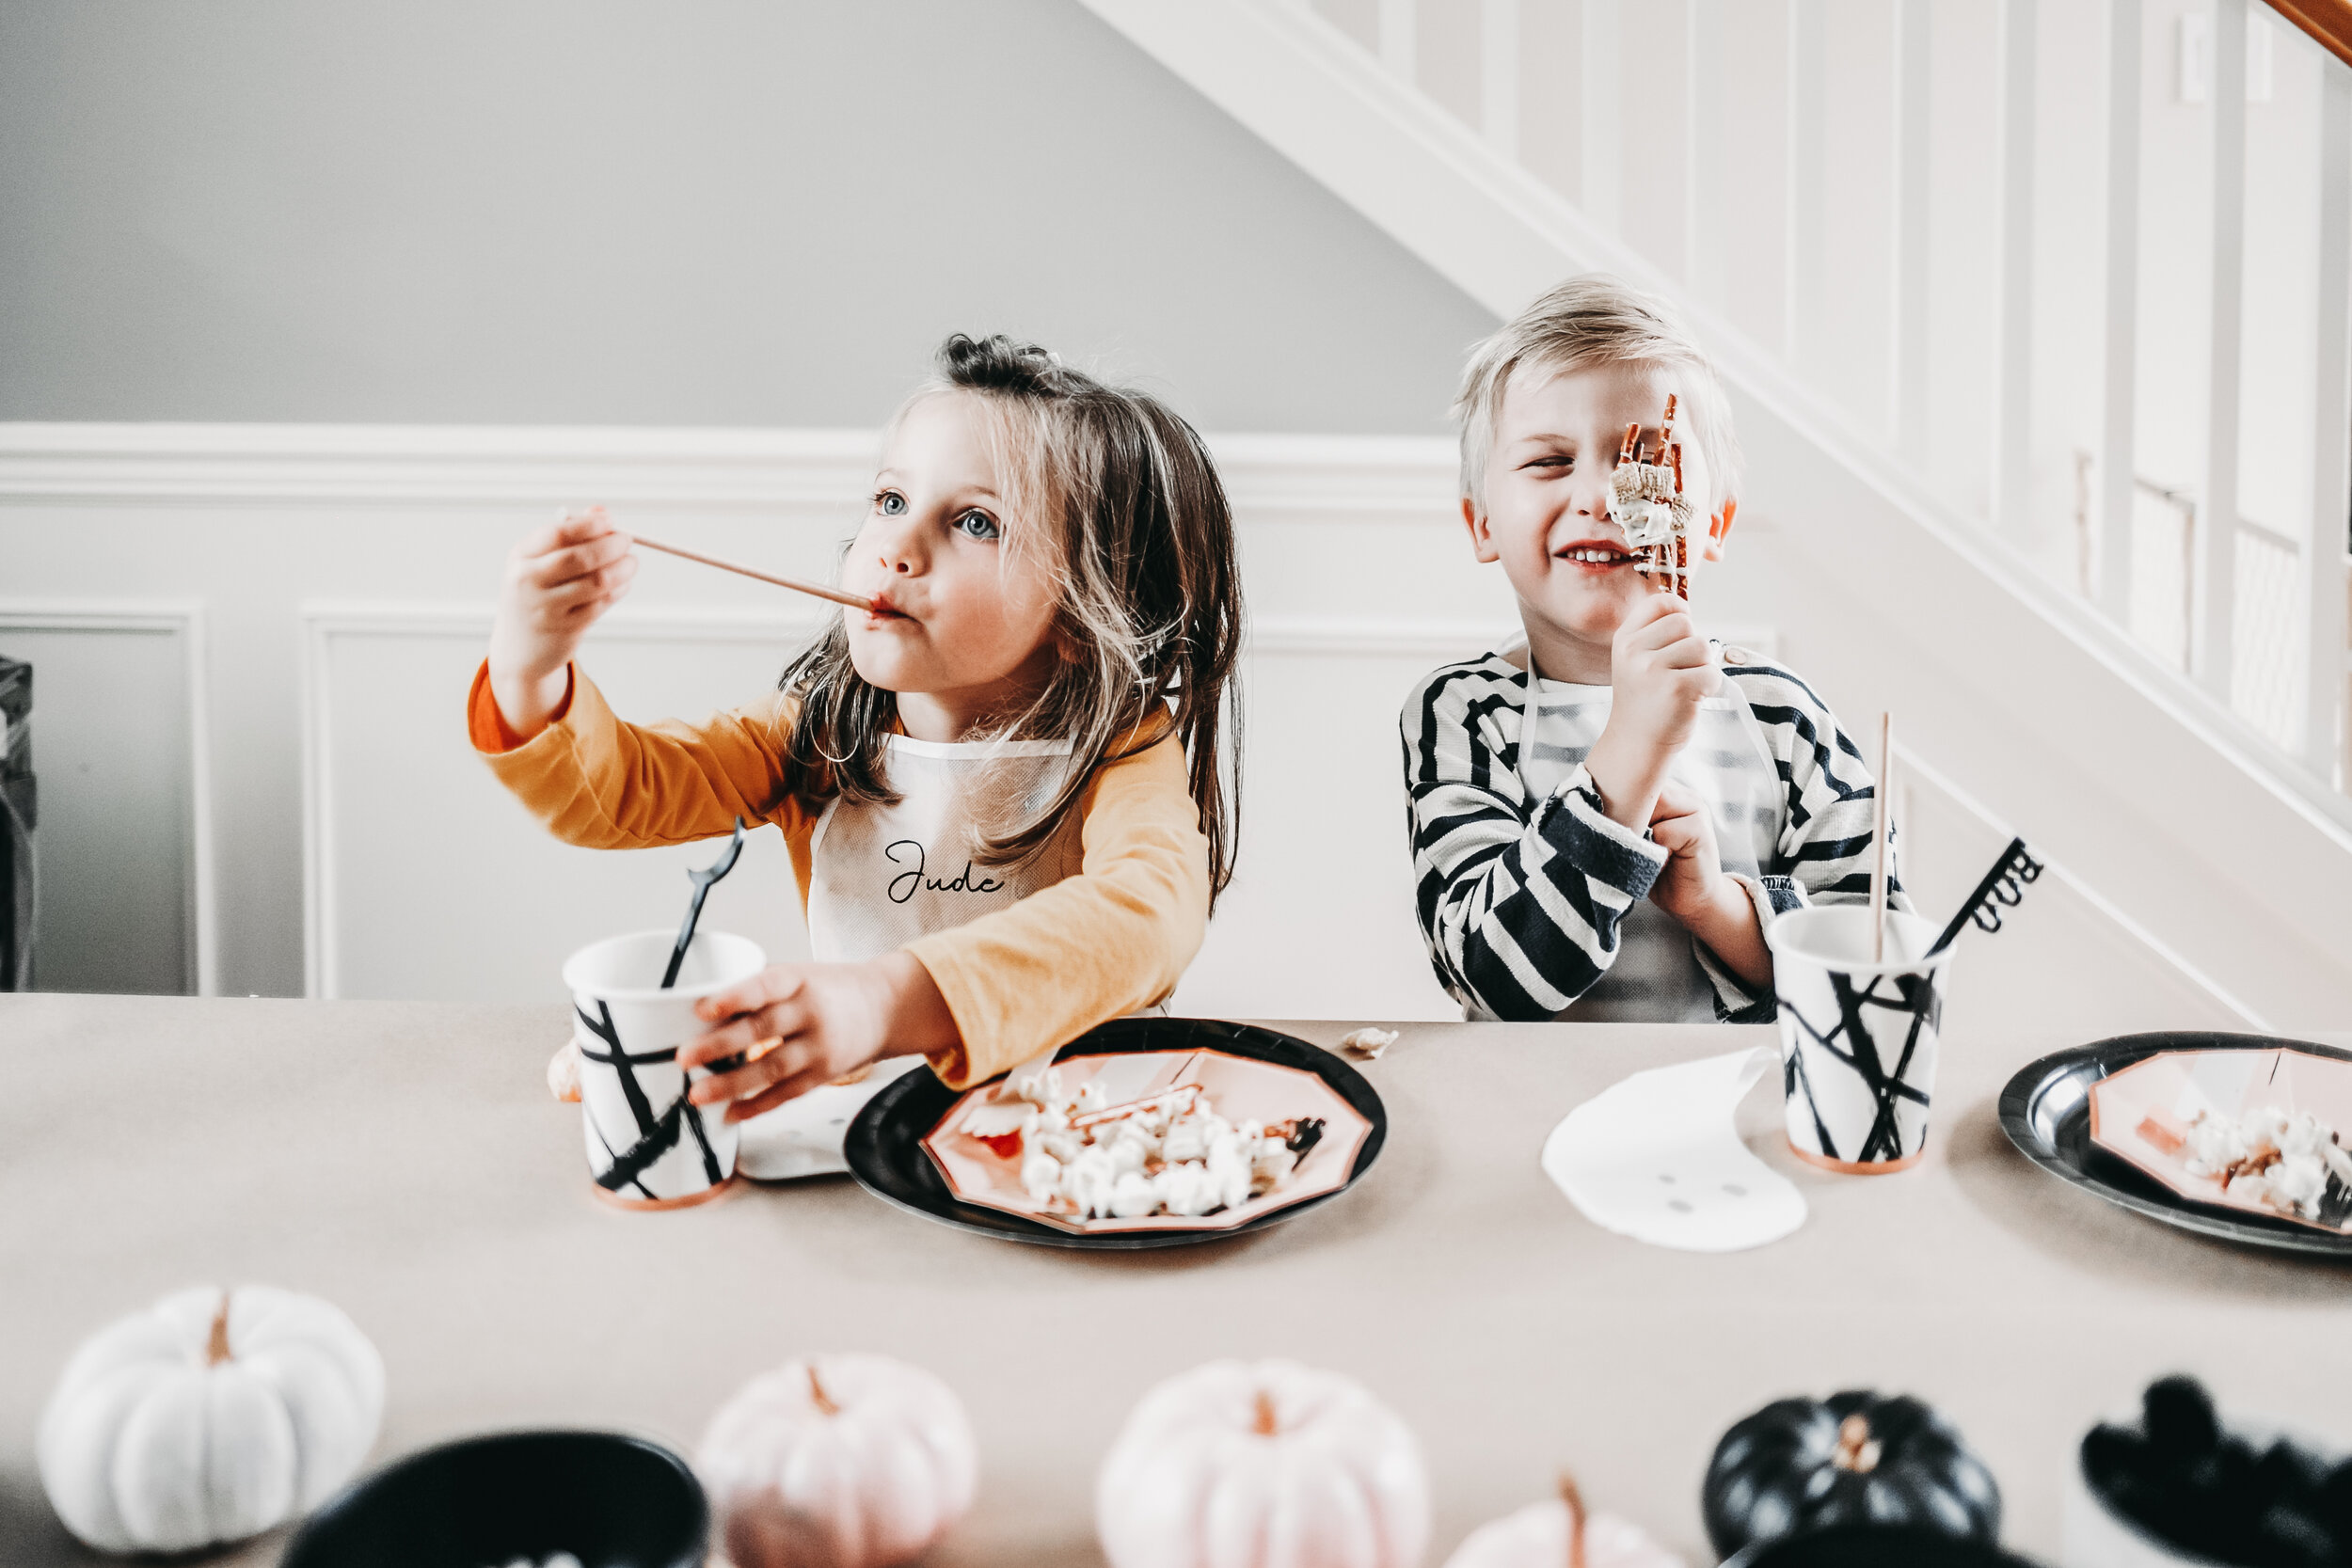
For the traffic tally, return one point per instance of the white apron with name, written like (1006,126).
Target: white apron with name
(881,876)
(1727,762)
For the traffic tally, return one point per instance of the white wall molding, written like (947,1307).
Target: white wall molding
(183,620)
(552,465)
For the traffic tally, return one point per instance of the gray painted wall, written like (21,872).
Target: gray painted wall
(709,212)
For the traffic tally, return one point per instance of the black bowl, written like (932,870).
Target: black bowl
(1874,1546)
(609,1500)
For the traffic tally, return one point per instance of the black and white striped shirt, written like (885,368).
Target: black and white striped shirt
(1520,899)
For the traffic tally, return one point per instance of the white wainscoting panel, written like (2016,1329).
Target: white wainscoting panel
(120,748)
(342,574)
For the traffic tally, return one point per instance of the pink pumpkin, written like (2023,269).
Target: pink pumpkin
(1560,1534)
(849,1461)
(1249,1465)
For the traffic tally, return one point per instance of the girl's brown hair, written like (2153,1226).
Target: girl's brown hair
(1121,500)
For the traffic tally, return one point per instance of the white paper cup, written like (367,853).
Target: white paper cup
(1857,1039)
(647,1148)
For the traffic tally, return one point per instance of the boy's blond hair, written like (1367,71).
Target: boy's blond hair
(1595,319)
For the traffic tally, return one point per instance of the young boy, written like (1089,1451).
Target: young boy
(1607,842)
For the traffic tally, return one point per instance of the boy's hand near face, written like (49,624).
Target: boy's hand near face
(1662,670)
(1692,888)
(558,581)
(826,1020)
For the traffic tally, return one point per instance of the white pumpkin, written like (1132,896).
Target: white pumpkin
(1560,1534)
(210,1416)
(849,1461)
(1238,1465)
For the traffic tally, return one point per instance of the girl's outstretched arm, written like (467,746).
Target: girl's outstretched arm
(601,782)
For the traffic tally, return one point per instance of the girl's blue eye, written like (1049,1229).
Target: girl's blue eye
(978,525)
(890,503)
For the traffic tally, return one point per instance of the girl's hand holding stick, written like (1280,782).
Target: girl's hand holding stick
(559,582)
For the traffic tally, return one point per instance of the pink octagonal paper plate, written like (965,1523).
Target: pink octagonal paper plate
(2141,1112)
(987,1171)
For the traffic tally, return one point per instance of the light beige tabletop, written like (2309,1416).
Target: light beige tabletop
(405,1162)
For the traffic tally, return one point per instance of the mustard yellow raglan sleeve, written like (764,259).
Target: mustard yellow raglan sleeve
(604,784)
(1111,940)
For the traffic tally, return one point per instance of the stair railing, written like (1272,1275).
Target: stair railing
(2267,629)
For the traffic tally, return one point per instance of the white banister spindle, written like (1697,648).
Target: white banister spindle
(2216,554)
(1399,45)
(1601,123)
(2118,458)
(2013,391)
(1913,177)
(1702,149)
(2325,721)
(1499,74)
(1806,218)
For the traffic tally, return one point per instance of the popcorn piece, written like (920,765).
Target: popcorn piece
(564,1072)
(1041,1175)
(1188,1190)
(1134,1196)
(1367,1042)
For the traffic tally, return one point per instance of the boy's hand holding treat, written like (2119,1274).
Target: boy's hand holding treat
(1660,671)
(1604,818)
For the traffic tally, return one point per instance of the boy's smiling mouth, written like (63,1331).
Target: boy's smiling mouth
(1593,554)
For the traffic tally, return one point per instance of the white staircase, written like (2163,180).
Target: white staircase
(1978,418)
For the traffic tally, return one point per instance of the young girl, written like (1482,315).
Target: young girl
(1002,788)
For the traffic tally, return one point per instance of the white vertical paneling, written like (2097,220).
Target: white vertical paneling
(1601,184)
(1914,75)
(2118,458)
(122,739)
(1807,218)
(1703,151)
(2325,720)
(1499,74)
(1399,42)
(2012,389)
(2216,554)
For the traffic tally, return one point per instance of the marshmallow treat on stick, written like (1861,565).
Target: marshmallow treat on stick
(1647,501)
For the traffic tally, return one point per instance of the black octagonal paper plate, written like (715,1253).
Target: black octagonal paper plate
(2045,1110)
(884,1145)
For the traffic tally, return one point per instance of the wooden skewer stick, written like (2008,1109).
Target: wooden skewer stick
(1572,1500)
(816,590)
(1882,830)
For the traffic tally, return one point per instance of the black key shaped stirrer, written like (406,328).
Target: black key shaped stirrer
(704,881)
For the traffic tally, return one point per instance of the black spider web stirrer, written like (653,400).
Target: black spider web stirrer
(2004,885)
(704,881)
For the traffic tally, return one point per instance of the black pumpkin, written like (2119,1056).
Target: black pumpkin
(1851,1459)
